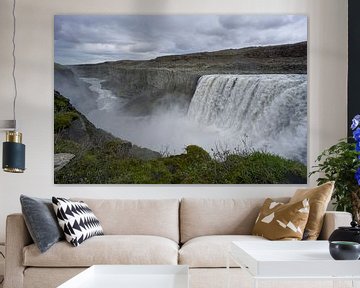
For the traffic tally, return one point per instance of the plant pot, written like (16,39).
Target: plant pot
(342,250)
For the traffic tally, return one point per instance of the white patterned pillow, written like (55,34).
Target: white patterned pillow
(77,220)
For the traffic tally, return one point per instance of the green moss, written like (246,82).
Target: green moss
(117,148)
(67,146)
(63,120)
(264,168)
(196,153)
(135,171)
(62,104)
(106,165)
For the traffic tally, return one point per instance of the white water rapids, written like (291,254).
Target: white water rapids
(269,110)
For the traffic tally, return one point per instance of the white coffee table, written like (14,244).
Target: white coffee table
(131,276)
(292,260)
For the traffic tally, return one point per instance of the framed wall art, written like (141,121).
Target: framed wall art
(180,99)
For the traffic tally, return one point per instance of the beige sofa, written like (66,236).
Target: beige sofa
(194,232)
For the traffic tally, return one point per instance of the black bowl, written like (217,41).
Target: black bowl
(344,250)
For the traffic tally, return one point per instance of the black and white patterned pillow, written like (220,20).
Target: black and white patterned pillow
(77,220)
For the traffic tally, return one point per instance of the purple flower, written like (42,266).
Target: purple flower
(357,176)
(355,122)
(356,134)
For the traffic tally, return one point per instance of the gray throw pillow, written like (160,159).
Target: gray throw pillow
(41,221)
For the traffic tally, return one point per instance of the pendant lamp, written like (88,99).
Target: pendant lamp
(13,149)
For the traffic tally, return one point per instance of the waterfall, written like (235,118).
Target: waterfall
(270,110)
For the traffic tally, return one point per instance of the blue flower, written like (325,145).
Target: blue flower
(355,122)
(355,126)
(357,176)
(356,134)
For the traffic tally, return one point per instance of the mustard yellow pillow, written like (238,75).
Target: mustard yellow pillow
(319,198)
(279,221)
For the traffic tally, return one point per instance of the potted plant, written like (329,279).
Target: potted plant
(341,163)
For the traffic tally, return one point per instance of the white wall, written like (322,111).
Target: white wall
(327,89)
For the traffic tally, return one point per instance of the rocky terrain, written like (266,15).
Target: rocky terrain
(146,84)
(69,84)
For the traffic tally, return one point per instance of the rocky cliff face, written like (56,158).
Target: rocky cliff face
(147,83)
(69,84)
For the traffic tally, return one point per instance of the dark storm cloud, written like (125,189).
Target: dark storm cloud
(90,39)
(264,22)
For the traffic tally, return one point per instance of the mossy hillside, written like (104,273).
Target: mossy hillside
(64,113)
(75,134)
(84,133)
(67,146)
(62,104)
(194,166)
(63,120)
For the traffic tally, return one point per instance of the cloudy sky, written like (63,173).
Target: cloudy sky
(93,39)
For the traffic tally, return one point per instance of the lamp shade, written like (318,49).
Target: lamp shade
(13,153)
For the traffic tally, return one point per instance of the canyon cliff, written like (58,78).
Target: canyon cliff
(147,84)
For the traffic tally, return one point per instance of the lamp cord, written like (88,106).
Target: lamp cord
(14,61)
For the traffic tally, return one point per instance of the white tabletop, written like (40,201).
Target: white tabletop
(131,276)
(291,259)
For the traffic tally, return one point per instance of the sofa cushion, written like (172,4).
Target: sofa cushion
(35,277)
(77,220)
(279,221)
(319,198)
(41,221)
(201,217)
(107,249)
(158,217)
(211,251)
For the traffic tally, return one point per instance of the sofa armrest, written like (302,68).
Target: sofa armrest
(17,237)
(333,220)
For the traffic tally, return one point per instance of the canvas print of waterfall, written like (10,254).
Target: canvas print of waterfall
(180,99)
